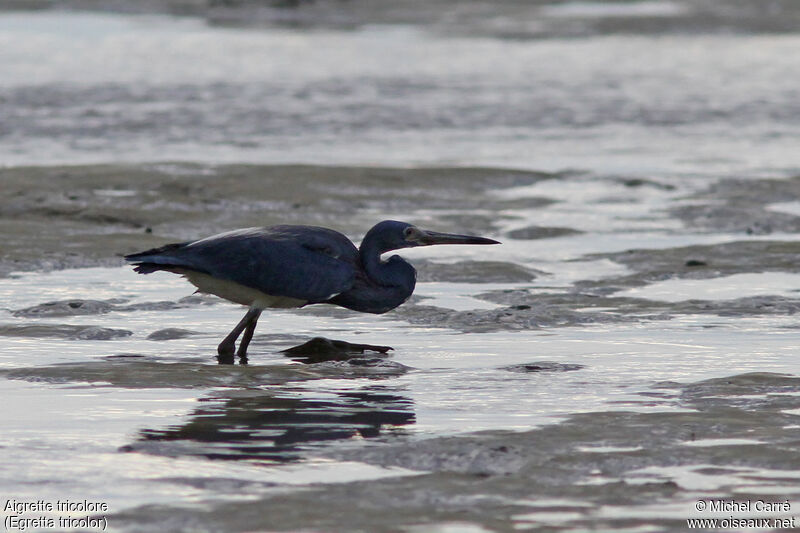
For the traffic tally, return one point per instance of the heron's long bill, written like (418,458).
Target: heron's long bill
(434,237)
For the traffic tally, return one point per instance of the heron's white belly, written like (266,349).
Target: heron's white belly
(238,293)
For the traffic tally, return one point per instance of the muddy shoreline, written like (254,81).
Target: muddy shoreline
(81,216)
(84,216)
(641,459)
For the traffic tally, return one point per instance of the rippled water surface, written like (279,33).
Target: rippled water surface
(626,353)
(98,87)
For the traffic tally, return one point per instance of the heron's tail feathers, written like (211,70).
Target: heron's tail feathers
(147,268)
(140,256)
(156,259)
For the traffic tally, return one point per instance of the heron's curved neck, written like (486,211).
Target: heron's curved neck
(384,285)
(370,251)
(395,273)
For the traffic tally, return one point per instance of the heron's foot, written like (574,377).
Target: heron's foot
(226,349)
(225,359)
(229,359)
(225,352)
(320,349)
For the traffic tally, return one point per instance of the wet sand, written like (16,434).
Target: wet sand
(644,458)
(607,470)
(67,217)
(87,216)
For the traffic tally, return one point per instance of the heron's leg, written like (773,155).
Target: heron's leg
(248,335)
(228,344)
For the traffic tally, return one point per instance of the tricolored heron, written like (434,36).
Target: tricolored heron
(294,266)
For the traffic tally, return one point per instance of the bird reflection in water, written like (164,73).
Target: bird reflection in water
(277,428)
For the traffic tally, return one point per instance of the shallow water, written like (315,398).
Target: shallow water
(173,428)
(86,87)
(626,353)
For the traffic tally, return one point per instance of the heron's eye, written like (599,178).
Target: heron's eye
(409,233)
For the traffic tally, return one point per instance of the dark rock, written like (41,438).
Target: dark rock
(474,272)
(543,366)
(168,334)
(66,308)
(541,232)
(695,263)
(64,331)
(320,349)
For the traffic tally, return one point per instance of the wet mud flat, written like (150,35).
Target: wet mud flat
(58,217)
(609,470)
(628,352)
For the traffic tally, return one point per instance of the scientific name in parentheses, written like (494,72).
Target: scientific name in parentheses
(61,506)
(746,506)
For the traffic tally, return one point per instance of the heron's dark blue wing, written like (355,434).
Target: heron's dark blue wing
(303,262)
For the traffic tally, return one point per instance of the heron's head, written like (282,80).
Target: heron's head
(393,235)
